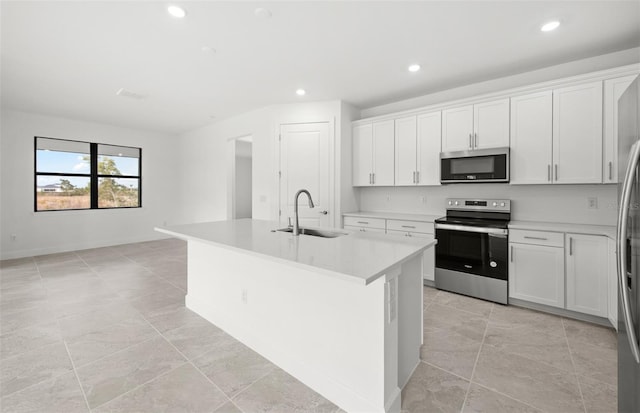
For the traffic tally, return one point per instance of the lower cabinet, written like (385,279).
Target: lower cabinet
(587,274)
(536,273)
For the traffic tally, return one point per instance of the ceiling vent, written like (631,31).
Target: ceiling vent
(129,94)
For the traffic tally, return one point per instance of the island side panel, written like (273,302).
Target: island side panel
(327,332)
(410,314)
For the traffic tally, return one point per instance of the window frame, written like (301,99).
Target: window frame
(93,175)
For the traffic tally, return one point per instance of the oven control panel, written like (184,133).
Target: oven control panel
(479,204)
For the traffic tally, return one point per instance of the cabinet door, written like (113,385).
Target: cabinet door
(406,155)
(612,299)
(429,137)
(531,138)
(383,153)
(577,134)
(457,129)
(428,259)
(613,88)
(536,274)
(363,229)
(587,273)
(491,124)
(362,154)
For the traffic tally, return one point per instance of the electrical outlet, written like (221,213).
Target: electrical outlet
(245,296)
(423,199)
(388,198)
(592,203)
(14,237)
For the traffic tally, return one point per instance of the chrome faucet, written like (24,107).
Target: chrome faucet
(296,225)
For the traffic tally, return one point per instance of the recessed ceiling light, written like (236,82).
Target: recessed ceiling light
(301,92)
(547,27)
(177,12)
(414,68)
(262,13)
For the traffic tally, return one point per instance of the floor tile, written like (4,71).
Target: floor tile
(95,319)
(599,397)
(228,408)
(133,287)
(26,262)
(110,339)
(77,305)
(539,385)
(58,395)
(450,351)
(433,390)
(597,362)
(481,399)
(282,393)
(159,303)
(232,366)
(532,343)
(183,390)
(28,338)
(28,279)
(181,316)
(590,333)
(33,367)
(26,318)
(121,372)
(466,324)
(195,340)
(462,302)
(509,316)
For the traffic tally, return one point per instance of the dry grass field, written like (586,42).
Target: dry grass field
(55,201)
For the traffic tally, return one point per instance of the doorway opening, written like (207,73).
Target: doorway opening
(242,185)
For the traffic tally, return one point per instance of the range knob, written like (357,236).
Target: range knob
(502,204)
(450,202)
(456,203)
(495,204)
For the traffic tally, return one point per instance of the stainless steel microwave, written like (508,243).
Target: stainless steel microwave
(481,165)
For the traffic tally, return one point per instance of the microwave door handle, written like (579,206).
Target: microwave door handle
(621,244)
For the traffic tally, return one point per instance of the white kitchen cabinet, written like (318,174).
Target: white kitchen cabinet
(373,154)
(362,154)
(417,150)
(491,124)
(613,89)
(536,272)
(577,134)
(418,229)
(531,138)
(587,273)
(612,289)
(364,229)
(480,126)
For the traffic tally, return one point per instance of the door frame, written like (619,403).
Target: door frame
(334,220)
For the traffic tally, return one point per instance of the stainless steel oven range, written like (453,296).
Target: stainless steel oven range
(473,248)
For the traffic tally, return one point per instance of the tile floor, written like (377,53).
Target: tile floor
(106,330)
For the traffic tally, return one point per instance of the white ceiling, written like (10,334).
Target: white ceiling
(70,58)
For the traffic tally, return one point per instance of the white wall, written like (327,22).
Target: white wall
(204,155)
(592,64)
(549,203)
(55,231)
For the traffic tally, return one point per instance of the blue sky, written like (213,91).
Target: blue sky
(68,162)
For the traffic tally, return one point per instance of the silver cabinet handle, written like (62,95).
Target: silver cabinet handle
(407,226)
(373,176)
(417,177)
(549,172)
(556,166)
(414,177)
(610,170)
(623,218)
(512,253)
(362,222)
(539,238)
(570,246)
(470,141)
(323,212)
(475,140)
(370,178)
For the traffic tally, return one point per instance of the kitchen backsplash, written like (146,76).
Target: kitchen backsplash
(551,203)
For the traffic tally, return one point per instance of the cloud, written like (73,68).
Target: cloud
(80,166)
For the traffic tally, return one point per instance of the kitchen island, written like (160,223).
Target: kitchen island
(343,315)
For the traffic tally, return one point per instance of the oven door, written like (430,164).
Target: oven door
(474,250)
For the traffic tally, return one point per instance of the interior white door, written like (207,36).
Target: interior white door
(304,164)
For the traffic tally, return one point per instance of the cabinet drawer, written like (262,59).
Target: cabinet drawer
(364,229)
(412,226)
(409,234)
(364,222)
(552,239)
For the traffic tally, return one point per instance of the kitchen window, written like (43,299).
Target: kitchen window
(73,175)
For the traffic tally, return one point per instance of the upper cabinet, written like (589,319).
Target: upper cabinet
(577,134)
(556,136)
(417,150)
(531,138)
(479,126)
(373,154)
(613,89)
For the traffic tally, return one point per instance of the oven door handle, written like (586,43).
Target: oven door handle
(484,230)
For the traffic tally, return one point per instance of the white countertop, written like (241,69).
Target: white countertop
(360,257)
(606,230)
(394,215)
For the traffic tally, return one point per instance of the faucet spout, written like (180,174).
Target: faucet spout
(296,225)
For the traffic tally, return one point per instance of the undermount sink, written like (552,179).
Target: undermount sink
(322,233)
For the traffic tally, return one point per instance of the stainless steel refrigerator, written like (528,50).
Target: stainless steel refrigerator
(628,247)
